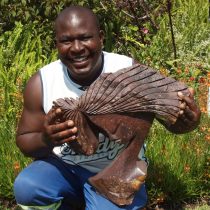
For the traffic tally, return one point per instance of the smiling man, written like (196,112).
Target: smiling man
(79,43)
(57,178)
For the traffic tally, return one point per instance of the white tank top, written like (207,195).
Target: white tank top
(57,84)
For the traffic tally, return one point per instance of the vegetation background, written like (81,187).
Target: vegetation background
(172,36)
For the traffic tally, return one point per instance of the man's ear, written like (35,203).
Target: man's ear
(101,36)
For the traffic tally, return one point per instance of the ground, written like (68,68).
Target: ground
(204,204)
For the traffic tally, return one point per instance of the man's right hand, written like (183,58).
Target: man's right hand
(56,133)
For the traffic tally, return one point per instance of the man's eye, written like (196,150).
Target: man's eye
(65,41)
(86,38)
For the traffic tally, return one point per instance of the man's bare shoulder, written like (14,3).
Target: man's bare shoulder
(33,92)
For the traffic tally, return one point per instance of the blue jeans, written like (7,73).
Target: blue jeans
(48,181)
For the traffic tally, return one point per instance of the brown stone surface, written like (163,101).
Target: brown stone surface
(122,105)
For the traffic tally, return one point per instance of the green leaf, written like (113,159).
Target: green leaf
(195,72)
(23,2)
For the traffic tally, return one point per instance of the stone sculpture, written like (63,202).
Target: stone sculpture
(122,105)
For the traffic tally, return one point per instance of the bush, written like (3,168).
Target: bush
(21,53)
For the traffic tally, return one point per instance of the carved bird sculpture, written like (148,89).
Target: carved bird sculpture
(122,105)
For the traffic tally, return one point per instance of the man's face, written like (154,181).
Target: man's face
(79,44)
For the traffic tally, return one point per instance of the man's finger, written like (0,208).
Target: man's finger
(69,133)
(52,129)
(53,115)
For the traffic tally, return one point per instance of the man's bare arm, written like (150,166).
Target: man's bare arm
(37,134)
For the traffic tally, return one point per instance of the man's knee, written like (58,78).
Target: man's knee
(24,190)
(28,191)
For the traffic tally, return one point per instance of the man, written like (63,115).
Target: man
(57,179)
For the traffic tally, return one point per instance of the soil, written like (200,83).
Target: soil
(8,204)
(11,205)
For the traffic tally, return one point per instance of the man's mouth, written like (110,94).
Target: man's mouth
(79,59)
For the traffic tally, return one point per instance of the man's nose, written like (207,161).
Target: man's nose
(77,46)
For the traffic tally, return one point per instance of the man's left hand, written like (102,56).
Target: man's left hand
(189,115)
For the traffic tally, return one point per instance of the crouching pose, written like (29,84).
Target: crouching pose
(57,178)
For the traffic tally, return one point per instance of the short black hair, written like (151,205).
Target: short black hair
(78,9)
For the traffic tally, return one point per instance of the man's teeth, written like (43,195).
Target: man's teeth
(79,59)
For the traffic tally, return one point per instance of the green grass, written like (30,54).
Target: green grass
(205,207)
(179,164)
